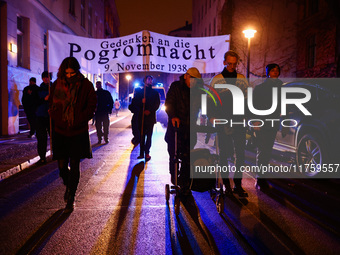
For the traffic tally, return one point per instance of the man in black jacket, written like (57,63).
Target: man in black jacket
(30,102)
(43,118)
(147,101)
(104,108)
(182,111)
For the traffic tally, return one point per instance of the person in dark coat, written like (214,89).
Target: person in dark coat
(43,119)
(182,112)
(147,102)
(265,135)
(30,102)
(134,120)
(72,102)
(104,109)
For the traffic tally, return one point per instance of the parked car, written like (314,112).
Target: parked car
(316,138)
(161,115)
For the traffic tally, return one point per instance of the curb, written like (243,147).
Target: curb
(30,162)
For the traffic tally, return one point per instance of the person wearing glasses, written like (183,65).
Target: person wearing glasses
(231,138)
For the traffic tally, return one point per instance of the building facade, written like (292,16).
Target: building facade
(302,36)
(24,27)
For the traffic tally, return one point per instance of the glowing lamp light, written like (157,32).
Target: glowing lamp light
(249,33)
(136,84)
(13,48)
(128,77)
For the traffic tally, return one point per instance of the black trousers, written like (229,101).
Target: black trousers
(32,119)
(102,126)
(70,175)
(229,145)
(43,130)
(145,145)
(265,141)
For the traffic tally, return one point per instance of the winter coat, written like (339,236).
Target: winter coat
(105,102)
(184,103)
(42,109)
(225,111)
(152,103)
(30,99)
(83,110)
(263,98)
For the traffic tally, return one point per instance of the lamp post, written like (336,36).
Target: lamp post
(249,33)
(128,77)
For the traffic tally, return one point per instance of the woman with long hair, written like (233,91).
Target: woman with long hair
(72,104)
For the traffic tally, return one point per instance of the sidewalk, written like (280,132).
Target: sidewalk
(18,152)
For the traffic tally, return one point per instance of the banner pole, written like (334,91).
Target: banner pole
(49,91)
(146,60)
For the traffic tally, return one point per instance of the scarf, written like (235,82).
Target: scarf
(66,94)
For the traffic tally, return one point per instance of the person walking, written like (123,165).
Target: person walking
(104,109)
(147,101)
(30,102)
(43,119)
(231,139)
(135,114)
(72,103)
(265,135)
(117,107)
(182,105)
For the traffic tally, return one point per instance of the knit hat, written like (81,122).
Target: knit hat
(270,67)
(193,72)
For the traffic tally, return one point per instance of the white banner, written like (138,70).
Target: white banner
(142,51)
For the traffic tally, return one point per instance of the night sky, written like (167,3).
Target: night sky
(160,16)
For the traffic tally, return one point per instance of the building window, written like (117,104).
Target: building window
(45,53)
(23,42)
(72,8)
(311,51)
(90,20)
(313,7)
(82,13)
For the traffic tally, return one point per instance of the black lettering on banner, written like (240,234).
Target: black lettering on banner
(159,52)
(198,52)
(87,53)
(145,53)
(73,49)
(185,56)
(103,59)
(125,52)
(174,54)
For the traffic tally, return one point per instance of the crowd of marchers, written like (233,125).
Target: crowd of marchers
(63,109)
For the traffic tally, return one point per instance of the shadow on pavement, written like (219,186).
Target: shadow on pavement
(36,242)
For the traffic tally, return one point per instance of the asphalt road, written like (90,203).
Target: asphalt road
(121,209)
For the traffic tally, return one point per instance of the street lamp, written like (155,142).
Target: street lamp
(249,33)
(128,77)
